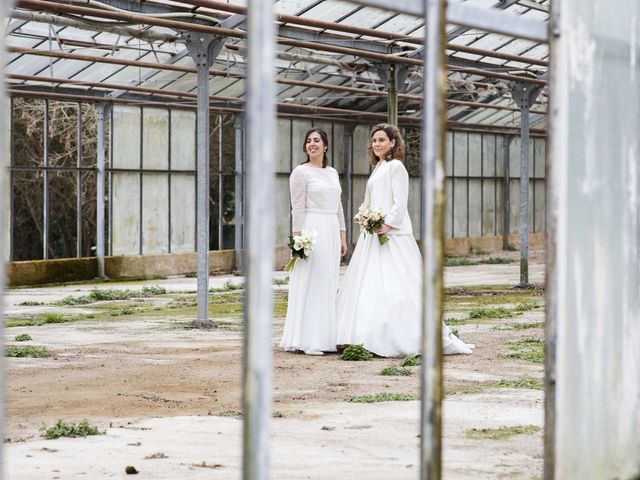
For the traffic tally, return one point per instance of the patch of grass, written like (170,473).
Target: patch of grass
(498,312)
(501,433)
(496,261)
(458,262)
(455,332)
(512,248)
(523,307)
(530,349)
(395,371)
(26,351)
(191,274)
(228,286)
(153,290)
(478,251)
(384,397)
(97,295)
(521,326)
(156,456)
(356,353)
(64,429)
(463,389)
(410,361)
(456,321)
(281,281)
(230,413)
(529,383)
(30,303)
(23,337)
(277,414)
(131,470)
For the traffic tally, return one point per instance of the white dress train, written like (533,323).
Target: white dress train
(310,324)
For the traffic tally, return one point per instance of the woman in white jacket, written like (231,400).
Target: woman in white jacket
(379,302)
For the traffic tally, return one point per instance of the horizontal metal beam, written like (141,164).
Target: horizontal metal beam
(488,19)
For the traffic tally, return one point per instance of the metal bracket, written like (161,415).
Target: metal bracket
(401,72)
(203,48)
(524,93)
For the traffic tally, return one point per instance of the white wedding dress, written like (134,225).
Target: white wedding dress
(313,283)
(379,302)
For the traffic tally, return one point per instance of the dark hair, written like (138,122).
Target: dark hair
(325,140)
(396,152)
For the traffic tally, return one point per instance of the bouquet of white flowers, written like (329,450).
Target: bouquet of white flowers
(301,246)
(371,219)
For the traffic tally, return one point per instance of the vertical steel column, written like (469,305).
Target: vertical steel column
(506,192)
(220,185)
(524,94)
(101,110)
(261,134)
(348,177)
(432,167)
(239,194)
(4,8)
(45,202)
(392,95)
(79,184)
(201,47)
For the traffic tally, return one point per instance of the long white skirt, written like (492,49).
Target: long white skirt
(313,284)
(379,301)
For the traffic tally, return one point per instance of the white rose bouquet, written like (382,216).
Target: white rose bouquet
(371,219)
(301,246)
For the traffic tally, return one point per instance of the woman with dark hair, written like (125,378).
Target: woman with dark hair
(379,303)
(315,190)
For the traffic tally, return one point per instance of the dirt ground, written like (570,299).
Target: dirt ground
(164,391)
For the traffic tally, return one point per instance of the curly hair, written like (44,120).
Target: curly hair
(396,152)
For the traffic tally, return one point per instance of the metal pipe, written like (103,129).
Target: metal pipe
(432,152)
(45,185)
(261,134)
(220,185)
(222,73)
(369,32)
(392,97)
(79,183)
(101,109)
(239,194)
(341,114)
(524,197)
(202,195)
(506,192)
(227,32)
(4,8)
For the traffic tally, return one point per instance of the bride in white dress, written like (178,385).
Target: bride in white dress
(315,189)
(379,302)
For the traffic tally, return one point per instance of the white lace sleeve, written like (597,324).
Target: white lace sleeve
(341,224)
(298,191)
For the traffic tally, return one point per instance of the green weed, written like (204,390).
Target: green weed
(410,361)
(30,303)
(496,261)
(281,281)
(23,337)
(26,351)
(458,262)
(355,353)
(395,371)
(498,312)
(529,383)
(530,349)
(384,397)
(501,433)
(523,307)
(64,429)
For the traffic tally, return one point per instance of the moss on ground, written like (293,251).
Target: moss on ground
(501,433)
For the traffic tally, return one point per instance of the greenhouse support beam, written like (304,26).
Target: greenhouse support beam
(524,94)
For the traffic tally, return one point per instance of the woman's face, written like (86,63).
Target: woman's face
(315,146)
(381,145)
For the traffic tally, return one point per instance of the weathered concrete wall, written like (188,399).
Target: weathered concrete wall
(594,267)
(40,272)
